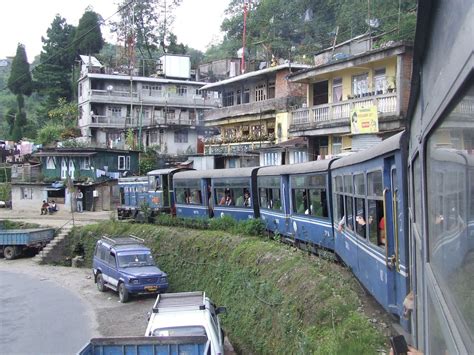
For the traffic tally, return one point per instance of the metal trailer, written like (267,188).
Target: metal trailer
(14,241)
(192,345)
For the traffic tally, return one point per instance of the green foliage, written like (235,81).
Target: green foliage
(279,299)
(5,190)
(65,113)
(20,82)
(49,134)
(299,28)
(152,20)
(53,77)
(88,38)
(148,162)
(130,139)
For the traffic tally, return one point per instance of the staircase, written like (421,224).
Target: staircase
(53,251)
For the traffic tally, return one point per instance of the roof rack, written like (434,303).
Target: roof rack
(131,239)
(180,301)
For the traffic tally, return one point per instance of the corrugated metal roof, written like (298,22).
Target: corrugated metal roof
(255,74)
(389,145)
(64,154)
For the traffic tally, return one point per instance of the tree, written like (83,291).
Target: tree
(145,24)
(20,84)
(65,113)
(53,75)
(88,38)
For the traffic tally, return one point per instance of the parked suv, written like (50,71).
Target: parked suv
(187,314)
(125,265)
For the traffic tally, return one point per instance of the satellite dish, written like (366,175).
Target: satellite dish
(110,88)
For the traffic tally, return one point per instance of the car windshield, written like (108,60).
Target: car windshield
(135,259)
(180,331)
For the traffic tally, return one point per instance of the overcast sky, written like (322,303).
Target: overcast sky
(197,21)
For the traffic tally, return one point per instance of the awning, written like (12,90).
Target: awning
(64,154)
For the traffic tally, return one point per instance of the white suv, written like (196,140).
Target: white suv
(187,314)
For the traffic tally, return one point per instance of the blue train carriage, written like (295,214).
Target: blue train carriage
(441,119)
(310,204)
(193,194)
(133,194)
(369,203)
(273,200)
(234,193)
(161,196)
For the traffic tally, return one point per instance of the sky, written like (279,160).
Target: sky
(197,22)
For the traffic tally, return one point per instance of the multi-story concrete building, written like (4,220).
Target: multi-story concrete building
(253,113)
(164,111)
(356,96)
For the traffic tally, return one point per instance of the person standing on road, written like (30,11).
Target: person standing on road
(79,197)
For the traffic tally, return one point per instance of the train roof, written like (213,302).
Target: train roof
(165,171)
(214,173)
(388,145)
(301,168)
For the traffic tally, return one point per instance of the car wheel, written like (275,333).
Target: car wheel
(9,252)
(100,283)
(123,293)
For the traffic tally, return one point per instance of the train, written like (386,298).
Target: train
(400,215)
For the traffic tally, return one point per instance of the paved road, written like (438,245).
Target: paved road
(38,316)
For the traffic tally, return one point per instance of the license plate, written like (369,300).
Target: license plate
(151,288)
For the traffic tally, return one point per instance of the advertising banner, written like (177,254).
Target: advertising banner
(364,120)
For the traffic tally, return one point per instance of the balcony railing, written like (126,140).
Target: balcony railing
(235,148)
(386,104)
(137,98)
(99,121)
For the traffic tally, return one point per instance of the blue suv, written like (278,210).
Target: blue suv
(125,265)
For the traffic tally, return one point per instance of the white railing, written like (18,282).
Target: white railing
(122,122)
(385,104)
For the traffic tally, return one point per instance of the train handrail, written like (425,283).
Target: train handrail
(385,224)
(395,227)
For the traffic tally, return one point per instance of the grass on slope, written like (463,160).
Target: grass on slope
(279,299)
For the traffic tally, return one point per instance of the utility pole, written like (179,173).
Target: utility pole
(242,65)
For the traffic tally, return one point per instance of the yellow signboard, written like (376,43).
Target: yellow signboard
(364,120)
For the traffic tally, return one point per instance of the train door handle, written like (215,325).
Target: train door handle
(391,260)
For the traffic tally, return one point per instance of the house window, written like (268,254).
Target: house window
(80,89)
(239,97)
(336,145)
(271,90)
(181,137)
(300,157)
(86,163)
(337,90)
(121,162)
(260,92)
(360,84)
(63,169)
(380,81)
(246,96)
(127,163)
(116,111)
(50,163)
(270,158)
(26,193)
(228,99)
(181,90)
(155,90)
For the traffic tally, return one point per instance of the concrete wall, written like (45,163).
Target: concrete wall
(22,203)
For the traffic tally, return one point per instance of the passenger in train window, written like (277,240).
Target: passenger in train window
(187,198)
(225,198)
(247,202)
(381,226)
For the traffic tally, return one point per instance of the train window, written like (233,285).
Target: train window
(361,217)
(450,170)
(348,184)
(269,192)
(318,203)
(300,201)
(338,184)
(375,219)
(376,222)
(349,220)
(359,184)
(417,197)
(374,183)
